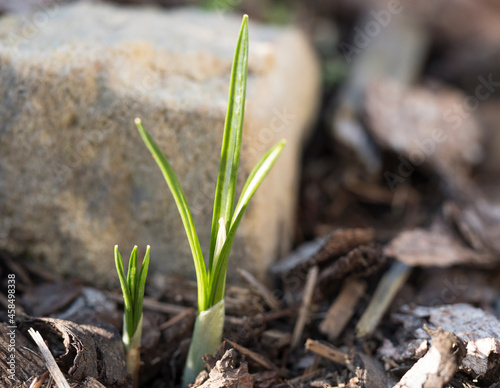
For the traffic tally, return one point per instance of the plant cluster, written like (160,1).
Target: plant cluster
(226,218)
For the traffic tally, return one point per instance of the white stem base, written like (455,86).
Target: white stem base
(206,339)
(133,350)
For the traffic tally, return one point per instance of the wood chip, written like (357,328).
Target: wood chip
(387,289)
(410,122)
(39,380)
(341,242)
(299,256)
(86,350)
(337,243)
(434,248)
(28,361)
(261,360)
(361,261)
(327,351)
(227,372)
(92,306)
(54,370)
(342,309)
(479,329)
(47,299)
(312,277)
(276,339)
(369,372)
(260,288)
(439,364)
(478,222)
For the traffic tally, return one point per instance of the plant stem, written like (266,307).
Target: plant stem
(133,350)
(206,339)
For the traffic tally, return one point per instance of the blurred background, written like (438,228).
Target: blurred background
(405,146)
(414,65)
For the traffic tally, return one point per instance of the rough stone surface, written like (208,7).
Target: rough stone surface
(75,177)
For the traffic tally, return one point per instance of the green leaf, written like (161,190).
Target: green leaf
(231,143)
(218,281)
(256,177)
(127,298)
(132,275)
(259,172)
(184,211)
(121,276)
(141,285)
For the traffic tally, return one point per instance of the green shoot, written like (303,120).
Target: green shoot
(226,216)
(133,295)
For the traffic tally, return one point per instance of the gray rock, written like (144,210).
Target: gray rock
(75,177)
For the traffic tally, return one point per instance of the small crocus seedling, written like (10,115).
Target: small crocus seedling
(133,295)
(226,216)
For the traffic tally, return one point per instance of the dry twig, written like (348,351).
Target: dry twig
(256,357)
(54,370)
(385,293)
(263,291)
(326,351)
(312,276)
(342,309)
